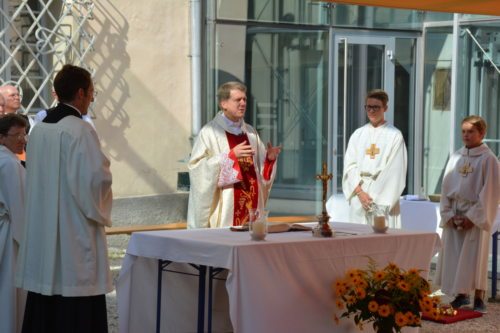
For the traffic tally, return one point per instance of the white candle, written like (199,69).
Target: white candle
(379,222)
(258,231)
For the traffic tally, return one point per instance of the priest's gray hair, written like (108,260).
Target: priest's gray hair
(224,91)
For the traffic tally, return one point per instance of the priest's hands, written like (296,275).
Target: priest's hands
(468,224)
(365,199)
(272,152)
(243,150)
(461,222)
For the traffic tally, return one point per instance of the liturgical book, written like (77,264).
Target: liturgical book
(276,227)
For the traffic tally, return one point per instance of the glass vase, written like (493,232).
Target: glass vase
(257,224)
(378,218)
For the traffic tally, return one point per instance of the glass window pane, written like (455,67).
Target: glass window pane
(404,100)
(365,71)
(437,113)
(322,13)
(290,11)
(479,79)
(287,77)
(377,17)
(286,72)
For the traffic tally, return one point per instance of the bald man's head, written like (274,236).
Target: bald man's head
(12,98)
(2,106)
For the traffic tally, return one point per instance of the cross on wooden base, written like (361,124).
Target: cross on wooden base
(465,169)
(324,177)
(323,228)
(372,151)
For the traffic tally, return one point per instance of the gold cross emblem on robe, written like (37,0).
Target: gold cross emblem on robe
(465,169)
(372,151)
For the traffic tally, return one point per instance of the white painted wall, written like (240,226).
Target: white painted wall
(143,110)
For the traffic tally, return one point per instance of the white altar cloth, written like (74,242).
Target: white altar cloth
(282,284)
(420,215)
(425,216)
(415,215)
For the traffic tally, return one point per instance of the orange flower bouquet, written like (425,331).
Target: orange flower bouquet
(391,298)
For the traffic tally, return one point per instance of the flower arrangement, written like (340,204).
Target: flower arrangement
(391,298)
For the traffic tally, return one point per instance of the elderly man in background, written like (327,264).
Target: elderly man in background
(2,106)
(13,102)
(12,98)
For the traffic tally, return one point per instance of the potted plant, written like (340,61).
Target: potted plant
(389,298)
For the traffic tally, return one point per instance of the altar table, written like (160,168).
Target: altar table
(282,284)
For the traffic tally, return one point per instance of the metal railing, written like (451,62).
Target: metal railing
(38,37)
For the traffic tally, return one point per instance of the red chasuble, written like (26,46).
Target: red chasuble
(246,192)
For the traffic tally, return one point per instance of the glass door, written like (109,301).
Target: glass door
(286,71)
(361,63)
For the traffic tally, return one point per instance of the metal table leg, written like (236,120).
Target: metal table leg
(212,273)
(202,270)
(494,253)
(161,266)
(202,276)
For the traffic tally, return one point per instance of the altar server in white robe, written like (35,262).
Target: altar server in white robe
(375,164)
(63,261)
(12,195)
(230,169)
(469,200)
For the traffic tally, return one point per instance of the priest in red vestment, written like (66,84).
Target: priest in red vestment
(230,169)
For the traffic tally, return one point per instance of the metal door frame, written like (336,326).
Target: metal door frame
(354,37)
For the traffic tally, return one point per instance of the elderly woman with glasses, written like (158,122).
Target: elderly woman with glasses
(12,180)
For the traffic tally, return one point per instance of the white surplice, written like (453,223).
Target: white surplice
(12,190)
(382,177)
(68,204)
(463,260)
(40,116)
(212,205)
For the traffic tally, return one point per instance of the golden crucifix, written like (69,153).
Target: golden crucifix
(323,228)
(372,151)
(465,169)
(324,177)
